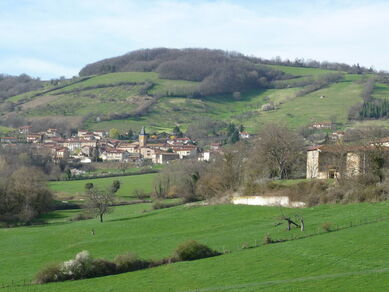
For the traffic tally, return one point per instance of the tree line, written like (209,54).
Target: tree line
(217,71)
(14,85)
(370,108)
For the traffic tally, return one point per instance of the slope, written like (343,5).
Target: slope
(127,100)
(356,249)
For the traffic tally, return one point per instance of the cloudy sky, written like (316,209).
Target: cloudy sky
(51,38)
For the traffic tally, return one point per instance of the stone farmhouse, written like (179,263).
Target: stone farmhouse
(334,161)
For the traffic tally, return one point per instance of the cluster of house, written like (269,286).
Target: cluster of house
(88,146)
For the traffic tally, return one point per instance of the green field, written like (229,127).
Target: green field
(128,185)
(353,256)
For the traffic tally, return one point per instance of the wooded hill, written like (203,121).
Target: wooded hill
(162,88)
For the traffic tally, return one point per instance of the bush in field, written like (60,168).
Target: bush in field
(81,216)
(115,186)
(326,227)
(267,239)
(88,186)
(102,267)
(161,205)
(78,268)
(192,250)
(129,262)
(50,273)
(83,266)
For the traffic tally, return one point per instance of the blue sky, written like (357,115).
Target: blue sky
(51,38)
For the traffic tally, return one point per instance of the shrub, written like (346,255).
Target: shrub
(326,227)
(140,194)
(267,239)
(160,205)
(88,186)
(78,268)
(81,216)
(102,267)
(129,262)
(192,250)
(115,186)
(50,273)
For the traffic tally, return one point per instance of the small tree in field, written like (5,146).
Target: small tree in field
(99,202)
(115,186)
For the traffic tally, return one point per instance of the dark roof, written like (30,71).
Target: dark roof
(142,131)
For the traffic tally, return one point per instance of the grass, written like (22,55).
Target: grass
(310,108)
(381,90)
(340,260)
(300,71)
(128,186)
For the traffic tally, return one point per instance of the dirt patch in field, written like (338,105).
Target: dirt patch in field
(69,121)
(42,100)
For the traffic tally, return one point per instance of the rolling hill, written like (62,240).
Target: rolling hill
(124,100)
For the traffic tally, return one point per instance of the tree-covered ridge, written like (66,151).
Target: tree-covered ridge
(14,85)
(217,71)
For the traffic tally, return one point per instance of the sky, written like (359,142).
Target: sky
(53,38)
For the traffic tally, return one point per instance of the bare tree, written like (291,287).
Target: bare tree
(99,202)
(278,149)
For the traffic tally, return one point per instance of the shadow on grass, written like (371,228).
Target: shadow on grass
(148,214)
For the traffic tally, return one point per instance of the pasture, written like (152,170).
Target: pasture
(128,185)
(353,255)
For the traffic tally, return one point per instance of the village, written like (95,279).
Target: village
(96,146)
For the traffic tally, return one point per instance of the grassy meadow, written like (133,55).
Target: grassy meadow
(128,185)
(353,256)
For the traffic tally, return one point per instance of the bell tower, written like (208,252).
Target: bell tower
(142,137)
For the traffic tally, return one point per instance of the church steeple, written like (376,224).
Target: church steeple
(142,137)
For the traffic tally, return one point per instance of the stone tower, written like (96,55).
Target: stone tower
(142,137)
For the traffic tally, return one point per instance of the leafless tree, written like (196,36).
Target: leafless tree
(278,150)
(99,202)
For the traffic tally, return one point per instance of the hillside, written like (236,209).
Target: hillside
(161,99)
(342,259)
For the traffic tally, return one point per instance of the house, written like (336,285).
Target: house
(112,154)
(215,146)
(321,125)
(60,153)
(337,136)
(334,161)
(185,151)
(25,130)
(179,141)
(9,140)
(129,147)
(72,144)
(147,152)
(204,156)
(52,133)
(82,133)
(34,138)
(163,157)
(134,157)
(100,134)
(244,135)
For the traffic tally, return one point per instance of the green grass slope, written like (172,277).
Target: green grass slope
(98,97)
(340,260)
(128,185)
